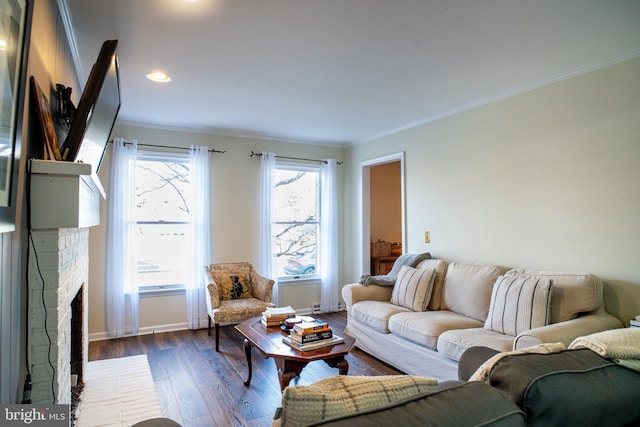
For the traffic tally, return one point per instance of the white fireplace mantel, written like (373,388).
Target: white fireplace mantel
(64,195)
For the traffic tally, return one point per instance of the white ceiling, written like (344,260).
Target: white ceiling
(341,71)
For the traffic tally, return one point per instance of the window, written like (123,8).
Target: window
(163,221)
(296,222)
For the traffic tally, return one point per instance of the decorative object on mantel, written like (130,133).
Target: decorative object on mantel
(50,149)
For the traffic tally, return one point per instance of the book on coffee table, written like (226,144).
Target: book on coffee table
(287,311)
(313,345)
(276,316)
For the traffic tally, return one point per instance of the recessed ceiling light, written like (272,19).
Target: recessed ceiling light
(3,45)
(158,76)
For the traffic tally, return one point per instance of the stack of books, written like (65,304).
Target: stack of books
(275,316)
(311,334)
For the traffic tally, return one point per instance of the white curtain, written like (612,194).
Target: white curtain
(328,256)
(266,265)
(122,287)
(201,232)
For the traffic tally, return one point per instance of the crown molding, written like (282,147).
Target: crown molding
(512,92)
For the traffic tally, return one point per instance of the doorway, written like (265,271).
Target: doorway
(383,205)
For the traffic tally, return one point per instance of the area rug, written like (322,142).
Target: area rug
(117,393)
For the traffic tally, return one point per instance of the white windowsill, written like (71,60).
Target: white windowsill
(158,291)
(300,280)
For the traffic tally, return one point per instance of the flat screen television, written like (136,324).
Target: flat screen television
(97,111)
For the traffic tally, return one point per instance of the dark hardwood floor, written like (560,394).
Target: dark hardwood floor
(197,386)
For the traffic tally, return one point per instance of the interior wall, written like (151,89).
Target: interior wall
(235,178)
(49,61)
(547,179)
(385,202)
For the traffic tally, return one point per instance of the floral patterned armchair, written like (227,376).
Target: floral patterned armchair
(236,293)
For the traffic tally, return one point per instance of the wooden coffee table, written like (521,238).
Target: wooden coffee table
(289,361)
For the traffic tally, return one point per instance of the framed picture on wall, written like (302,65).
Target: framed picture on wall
(14,35)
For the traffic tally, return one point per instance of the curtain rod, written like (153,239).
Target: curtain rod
(211,150)
(253,153)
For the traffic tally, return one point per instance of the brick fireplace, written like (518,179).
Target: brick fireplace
(59,258)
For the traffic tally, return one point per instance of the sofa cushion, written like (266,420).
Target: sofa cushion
(518,304)
(425,327)
(440,268)
(467,288)
(465,404)
(341,395)
(376,314)
(593,391)
(453,343)
(573,293)
(413,288)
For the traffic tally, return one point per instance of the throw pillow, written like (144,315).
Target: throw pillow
(519,304)
(413,288)
(341,395)
(233,286)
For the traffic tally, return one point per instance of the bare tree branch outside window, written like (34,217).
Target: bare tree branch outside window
(163,220)
(296,226)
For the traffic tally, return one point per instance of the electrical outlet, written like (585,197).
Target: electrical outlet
(427,237)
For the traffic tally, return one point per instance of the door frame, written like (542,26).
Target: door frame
(365,205)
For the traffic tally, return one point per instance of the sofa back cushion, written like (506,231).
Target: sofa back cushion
(413,288)
(518,304)
(439,267)
(467,288)
(573,293)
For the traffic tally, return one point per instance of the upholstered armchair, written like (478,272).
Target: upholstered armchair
(236,293)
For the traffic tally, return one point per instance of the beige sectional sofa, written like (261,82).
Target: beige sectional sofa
(462,298)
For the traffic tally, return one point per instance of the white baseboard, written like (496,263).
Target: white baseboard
(146,330)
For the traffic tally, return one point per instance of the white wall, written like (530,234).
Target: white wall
(49,61)
(547,179)
(235,195)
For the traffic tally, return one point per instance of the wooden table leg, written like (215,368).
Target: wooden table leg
(287,370)
(340,363)
(247,352)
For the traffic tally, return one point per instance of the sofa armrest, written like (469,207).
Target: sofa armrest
(565,332)
(355,292)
